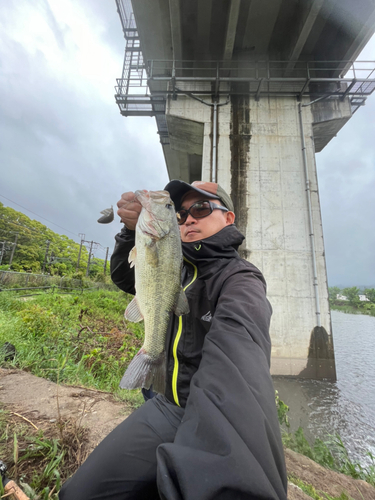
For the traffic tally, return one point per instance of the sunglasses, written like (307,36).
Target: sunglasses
(198,210)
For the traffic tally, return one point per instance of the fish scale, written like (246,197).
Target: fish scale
(157,257)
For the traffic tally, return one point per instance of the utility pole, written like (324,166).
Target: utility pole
(105,263)
(13,249)
(80,248)
(2,251)
(45,256)
(88,262)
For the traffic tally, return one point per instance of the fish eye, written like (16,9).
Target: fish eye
(168,205)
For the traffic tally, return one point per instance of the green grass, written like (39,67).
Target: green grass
(331,454)
(78,340)
(366,308)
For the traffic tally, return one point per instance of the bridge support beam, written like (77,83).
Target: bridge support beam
(260,162)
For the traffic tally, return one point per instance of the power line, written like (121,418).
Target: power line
(38,215)
(44,238)
(55,245)
(33,237)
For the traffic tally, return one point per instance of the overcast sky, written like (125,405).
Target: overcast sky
(66,152)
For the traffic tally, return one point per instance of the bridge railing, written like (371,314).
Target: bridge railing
(234,70)
(146,93)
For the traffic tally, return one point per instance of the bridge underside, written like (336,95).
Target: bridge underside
(277,48)
(323,30)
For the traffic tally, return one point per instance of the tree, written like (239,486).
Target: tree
(333,292)
(370,294)
(36,244)
(352,294)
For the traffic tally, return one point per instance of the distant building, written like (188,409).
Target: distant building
(363,298)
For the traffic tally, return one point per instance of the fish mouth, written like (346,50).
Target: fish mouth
(145,198)
(148,222)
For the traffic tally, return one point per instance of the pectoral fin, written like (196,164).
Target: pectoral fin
(132,256)
(132,312)
(182,305)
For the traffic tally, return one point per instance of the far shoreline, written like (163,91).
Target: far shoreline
(343,306)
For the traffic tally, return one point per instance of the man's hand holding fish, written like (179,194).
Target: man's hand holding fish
(129,209)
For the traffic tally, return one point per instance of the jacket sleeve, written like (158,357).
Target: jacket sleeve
(121,272)
(228,444)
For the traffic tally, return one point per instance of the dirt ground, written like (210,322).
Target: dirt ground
(40,402)
(38,399)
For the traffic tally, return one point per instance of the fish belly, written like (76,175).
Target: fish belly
(157,284)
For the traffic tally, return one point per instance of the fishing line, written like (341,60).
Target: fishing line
(38,215)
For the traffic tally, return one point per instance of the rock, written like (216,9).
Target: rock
(8,351)
(295,493)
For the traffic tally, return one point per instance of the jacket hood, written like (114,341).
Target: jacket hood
(223,244)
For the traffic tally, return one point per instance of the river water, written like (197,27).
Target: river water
(347,406)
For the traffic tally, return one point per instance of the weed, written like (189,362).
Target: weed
(305,487)
(353,468)
(76,340)
(88,332)
(361,308)
(331,454)
(312,492)
(41,460)
(282,410)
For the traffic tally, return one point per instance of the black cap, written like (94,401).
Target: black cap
(177,190)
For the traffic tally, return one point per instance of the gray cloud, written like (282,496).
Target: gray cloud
(58,30)
(66,152)
(346,173)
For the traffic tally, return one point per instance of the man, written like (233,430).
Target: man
(215,433)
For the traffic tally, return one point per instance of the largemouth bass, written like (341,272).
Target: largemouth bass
(157,257)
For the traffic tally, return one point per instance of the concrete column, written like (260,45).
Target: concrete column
(260,163)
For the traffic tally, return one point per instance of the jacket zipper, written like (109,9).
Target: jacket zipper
(177,339)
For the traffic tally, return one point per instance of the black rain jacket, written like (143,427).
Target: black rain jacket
(228,445)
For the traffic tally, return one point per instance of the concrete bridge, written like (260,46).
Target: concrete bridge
(244,93)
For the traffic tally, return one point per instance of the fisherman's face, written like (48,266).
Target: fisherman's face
(199,229)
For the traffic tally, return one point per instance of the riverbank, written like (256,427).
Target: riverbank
(82,344)
(366,308)
(81,418)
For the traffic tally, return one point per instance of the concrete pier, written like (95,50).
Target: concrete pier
(260,162)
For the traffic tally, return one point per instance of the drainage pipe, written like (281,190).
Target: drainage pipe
(311,225)
(214,145)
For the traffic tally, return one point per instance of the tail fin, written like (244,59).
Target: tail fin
(144,371)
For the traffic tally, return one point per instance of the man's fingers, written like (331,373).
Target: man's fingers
(128,214)
(133,207)
(129,217)
(128,200)
(129,209)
